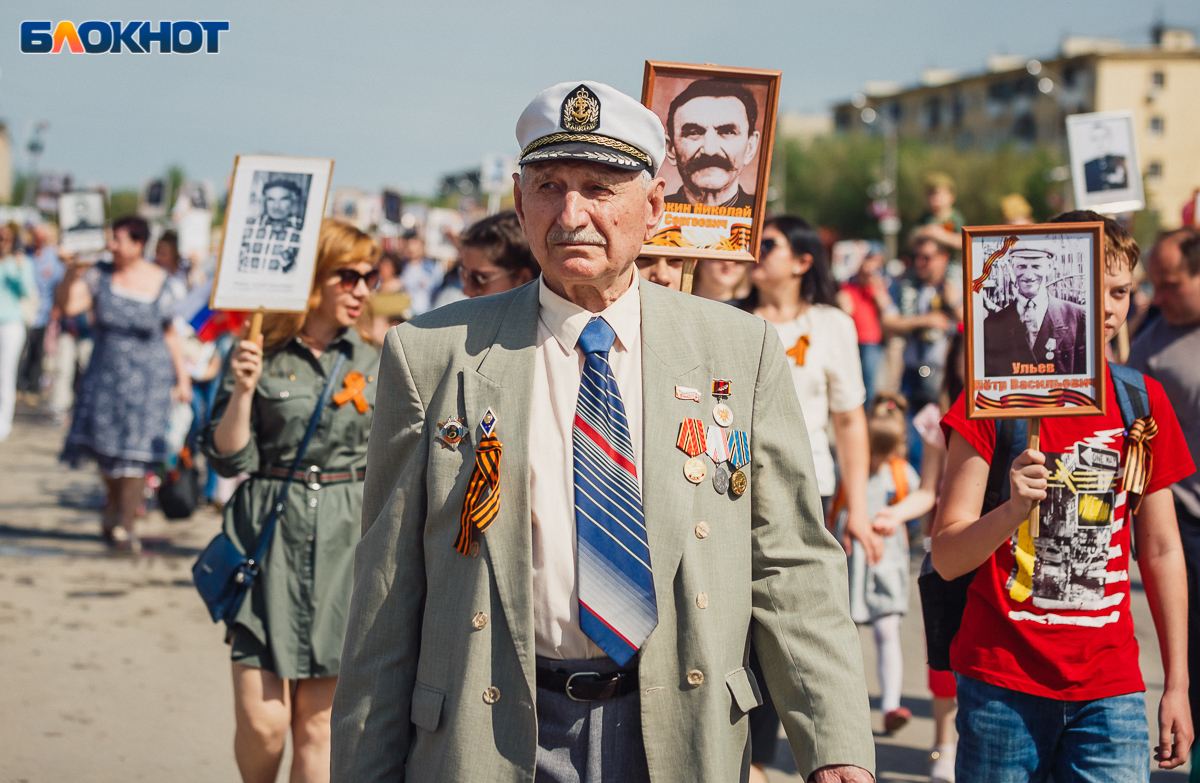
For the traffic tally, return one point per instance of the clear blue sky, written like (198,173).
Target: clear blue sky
(401,92)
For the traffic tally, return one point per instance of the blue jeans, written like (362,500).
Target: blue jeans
(871,357)
(1006,736)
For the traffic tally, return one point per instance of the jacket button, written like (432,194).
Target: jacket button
(473,550)
(702,530)
(695,678)
(479,620)
(702,600)
(491,695)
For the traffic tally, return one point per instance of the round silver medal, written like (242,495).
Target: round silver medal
(721,479)
(723,414)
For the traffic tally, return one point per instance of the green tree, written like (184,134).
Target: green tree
(122,203)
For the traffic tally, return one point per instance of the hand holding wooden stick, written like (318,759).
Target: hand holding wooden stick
(1035,443)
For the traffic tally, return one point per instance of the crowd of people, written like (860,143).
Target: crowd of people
(110,350)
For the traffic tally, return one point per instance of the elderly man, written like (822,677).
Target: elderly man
(712,134)
(1167,350)
(563,556)
(271,241)
(1035,334)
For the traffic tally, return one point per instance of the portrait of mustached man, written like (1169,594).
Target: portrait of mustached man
(712,134)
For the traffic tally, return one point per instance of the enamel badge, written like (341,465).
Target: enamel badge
(451,432)
(488,423)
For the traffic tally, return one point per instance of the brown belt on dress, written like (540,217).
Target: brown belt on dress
(314,477)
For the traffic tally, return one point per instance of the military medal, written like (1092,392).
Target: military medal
(722,413)
(721,479)
(739,455)
(693,443)
(717,448)
(451,432)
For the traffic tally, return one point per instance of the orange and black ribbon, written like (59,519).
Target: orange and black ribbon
(692,438)
(1138,458)
(977,284)
(354,383)
(1055,398)
(482,502)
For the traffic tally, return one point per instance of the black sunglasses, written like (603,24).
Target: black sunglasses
(348,279)
(766,246)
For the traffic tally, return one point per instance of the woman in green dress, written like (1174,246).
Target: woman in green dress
(287,638)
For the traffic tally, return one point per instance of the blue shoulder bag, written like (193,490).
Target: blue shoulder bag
(223,574)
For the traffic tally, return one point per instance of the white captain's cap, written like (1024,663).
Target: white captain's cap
(591,121)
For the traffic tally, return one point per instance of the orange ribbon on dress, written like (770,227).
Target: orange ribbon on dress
(1138,458)
(482,502)
(354,383)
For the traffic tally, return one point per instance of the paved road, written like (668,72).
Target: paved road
(112,670)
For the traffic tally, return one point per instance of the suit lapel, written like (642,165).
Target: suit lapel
(668,358)
(504,382)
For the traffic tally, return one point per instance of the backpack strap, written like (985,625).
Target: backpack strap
(1132,397)
(1011,436)
(1129,385)
(899,479)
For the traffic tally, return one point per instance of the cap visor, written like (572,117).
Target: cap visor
(582,150)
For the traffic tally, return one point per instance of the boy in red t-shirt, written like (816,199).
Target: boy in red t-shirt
(1046,659)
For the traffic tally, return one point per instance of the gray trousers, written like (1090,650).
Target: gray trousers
(589,741)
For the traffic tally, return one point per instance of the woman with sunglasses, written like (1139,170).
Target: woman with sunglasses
(287,638)
(495,256)
(794,290)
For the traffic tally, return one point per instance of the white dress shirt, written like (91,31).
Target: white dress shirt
(557,374)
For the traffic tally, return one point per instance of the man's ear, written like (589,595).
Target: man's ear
(517,199)
(752,147)
(670,155)
(657,199)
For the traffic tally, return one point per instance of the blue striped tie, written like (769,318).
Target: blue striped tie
(616,586)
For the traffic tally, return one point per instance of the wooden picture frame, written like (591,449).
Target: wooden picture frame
(267,262)
(694,230)
(1060,266)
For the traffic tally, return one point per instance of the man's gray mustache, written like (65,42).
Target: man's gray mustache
(580,236)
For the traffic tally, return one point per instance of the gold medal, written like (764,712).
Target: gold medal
(694,470)
(737,483)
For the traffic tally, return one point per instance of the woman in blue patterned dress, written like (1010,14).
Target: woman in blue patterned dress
(137,369)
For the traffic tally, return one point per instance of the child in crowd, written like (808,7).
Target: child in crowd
(879,593)
(1046,659)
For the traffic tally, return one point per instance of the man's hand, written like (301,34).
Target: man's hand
(1175,732)
(858,528)
(841,773)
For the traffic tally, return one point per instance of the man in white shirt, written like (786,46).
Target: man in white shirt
(553,582)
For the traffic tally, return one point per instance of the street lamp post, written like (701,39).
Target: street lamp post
(884,193)
(35,148)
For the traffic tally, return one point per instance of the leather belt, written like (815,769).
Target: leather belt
(314,477)
(588,686)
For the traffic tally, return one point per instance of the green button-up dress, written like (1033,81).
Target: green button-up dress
(294,619)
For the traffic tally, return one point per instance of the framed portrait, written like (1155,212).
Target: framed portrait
(1033,304)
(1104,162)
(269,250)
(720,125)
(81,222)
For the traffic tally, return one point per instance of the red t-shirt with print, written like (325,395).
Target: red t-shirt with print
(1058,624)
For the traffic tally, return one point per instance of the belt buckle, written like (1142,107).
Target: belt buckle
(315,473)
(573,676)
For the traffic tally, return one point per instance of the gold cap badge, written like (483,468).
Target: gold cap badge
(581,111)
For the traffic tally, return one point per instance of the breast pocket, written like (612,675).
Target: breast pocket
(284,408)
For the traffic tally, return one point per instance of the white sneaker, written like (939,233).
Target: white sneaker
(941,764)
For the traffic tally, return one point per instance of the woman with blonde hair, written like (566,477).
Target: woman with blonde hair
(287,636)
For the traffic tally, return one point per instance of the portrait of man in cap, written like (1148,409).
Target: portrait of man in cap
(712,135)
(1108,169)
(271,239)
(553,582)
(1036,333)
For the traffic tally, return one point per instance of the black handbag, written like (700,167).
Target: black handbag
(179,495)
(943,602)
(224,574)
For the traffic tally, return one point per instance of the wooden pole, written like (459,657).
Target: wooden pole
(685,278)
(255,325)
(1035,443)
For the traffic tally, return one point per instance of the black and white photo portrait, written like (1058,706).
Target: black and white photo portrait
(81,215)
(1104,162)
(271,227)
(1032,300)
(271,236)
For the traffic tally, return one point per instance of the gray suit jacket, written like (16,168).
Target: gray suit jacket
(410,698)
